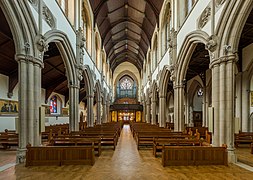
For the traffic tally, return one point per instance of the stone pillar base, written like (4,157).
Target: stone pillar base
(232,158)
(20,157)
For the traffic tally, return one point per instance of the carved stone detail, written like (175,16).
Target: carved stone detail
(211,43)
(80,43)
(34,2)
(219,2)
(41,44)
(204,17)
(46,13)
(48,16)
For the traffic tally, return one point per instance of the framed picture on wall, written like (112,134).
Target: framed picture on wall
(8,107)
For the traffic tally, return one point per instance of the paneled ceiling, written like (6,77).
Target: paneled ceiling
(126,28)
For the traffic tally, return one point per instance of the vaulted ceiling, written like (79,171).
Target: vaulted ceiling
(126,28)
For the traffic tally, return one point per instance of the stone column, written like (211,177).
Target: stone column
(37,104)
(108,118)
(245,102)
(148,111)
(29,103)
(104,120)
(238,101)
(22,131)
(90,116)
(230,101)
(73,107)
(153,120)
(187,109)
(204,114)
(179,107)
(223,101)
(99,112)
(143,118)
(162,111)
(215,104)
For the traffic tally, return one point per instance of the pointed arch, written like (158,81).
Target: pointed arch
(163,82)
(230,27)
(22,25)
(87,24)
(154,89)
(193,87)
(88,80)
(66,51)
(165,12)
(185,53)
(98,90)
(97,50)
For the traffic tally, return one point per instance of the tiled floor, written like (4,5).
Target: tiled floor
(126,162)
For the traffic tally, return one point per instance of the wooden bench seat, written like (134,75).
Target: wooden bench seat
(107,138)
(194,155)
(159,143)
(8,140)
(147,139)
(243,138)
(57,156)
(77,141)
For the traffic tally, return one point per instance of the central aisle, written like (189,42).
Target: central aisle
(126,161)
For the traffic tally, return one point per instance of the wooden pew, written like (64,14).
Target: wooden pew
(158,143)
(193,155)
(8,140)
(243,138)
(147,138)
(77,141)
(107,138)
(64,155)
(251,147)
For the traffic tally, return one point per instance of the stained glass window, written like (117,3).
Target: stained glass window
(53,104)
(126,87)
(126,84)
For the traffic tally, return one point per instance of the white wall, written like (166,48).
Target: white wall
(54,120)
(7,122)
(4,82)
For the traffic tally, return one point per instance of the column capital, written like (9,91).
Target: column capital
(224,59)
(29,58)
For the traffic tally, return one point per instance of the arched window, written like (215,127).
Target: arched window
(86,25)
(126,84)
(97,46)
(155,54)
(126,87)
(53,104)
(166,26)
